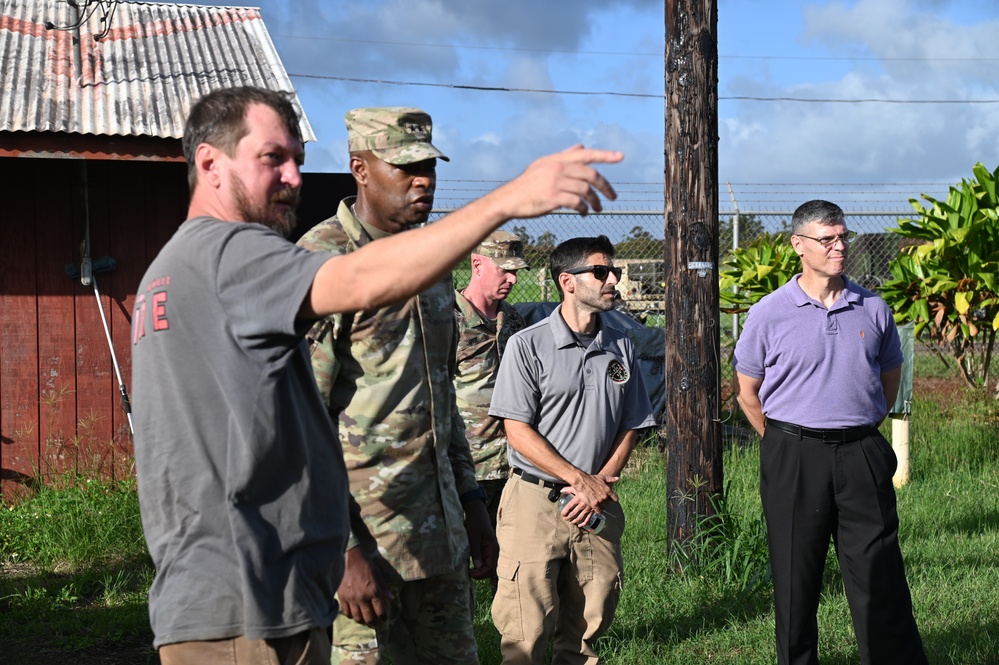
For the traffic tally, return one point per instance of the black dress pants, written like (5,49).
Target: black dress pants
(813,491)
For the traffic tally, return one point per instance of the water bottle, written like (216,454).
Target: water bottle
(596,523)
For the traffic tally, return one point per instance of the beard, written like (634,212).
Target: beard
(269,213)
(594,298)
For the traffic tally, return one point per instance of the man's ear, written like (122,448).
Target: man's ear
(796,245)
(567,282)
(206,161)
(359,168)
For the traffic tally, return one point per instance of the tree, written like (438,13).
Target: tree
(639,244)
(946,283)
(525,237)
(536,250)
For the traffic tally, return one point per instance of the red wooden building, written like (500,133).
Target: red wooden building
(91,117)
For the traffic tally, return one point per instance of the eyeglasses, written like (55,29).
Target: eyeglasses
(829,241)
(599,271)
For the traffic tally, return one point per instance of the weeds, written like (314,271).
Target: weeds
(76,573)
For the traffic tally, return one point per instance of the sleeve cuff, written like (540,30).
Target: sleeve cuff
(477,493)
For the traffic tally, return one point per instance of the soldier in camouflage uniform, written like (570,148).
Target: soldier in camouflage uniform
(387,376)
(485,322)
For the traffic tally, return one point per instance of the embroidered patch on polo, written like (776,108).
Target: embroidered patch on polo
(617,372)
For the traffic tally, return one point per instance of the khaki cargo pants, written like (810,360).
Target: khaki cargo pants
(555,580)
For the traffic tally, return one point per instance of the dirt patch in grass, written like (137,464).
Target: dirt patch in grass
(135,650)
(48,647)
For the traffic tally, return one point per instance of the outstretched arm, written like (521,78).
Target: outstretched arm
(398,267)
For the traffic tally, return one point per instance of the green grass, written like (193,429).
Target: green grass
(75,570)
(721,611)
(75,573)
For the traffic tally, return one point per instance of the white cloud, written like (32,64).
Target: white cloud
(902,49)
(874,142)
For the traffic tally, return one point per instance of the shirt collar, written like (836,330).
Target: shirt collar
(851,292)
(563,335)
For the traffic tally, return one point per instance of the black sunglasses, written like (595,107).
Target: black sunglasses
(599,271)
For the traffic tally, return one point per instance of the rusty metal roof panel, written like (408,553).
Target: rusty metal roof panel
(126,68)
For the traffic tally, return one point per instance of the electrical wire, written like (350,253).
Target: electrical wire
(644,54)
(108,8)
(639,95)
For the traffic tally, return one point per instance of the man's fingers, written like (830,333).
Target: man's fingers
(563,180)
(587,198)
(377,608)
(369,613)
(578,153)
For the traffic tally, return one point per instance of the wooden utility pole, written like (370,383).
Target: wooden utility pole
(691,430)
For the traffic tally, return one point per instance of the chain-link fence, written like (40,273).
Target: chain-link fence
(638,240)
(637,236)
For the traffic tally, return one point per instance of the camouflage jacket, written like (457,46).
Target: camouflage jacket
(480,348)
(386,376)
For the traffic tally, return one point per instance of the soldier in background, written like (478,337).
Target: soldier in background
(387,375)
(485,323)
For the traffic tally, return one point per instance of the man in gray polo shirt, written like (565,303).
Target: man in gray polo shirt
(572,397)
(817,365)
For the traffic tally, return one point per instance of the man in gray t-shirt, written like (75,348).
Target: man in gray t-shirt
(242,486)
(572,397)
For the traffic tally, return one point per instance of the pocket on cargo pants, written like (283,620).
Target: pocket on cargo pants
(506,609)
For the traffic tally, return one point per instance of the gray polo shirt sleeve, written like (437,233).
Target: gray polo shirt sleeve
(517,394)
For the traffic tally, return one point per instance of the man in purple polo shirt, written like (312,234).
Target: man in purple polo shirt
(817,365)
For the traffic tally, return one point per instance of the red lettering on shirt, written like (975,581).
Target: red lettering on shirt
(157,283)
(139,320)
(160,321)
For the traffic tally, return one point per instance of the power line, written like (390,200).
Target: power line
(478,47)
(633,53)
(482,88)
(869,100)
(641,95)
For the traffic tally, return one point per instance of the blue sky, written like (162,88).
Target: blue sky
(771,151)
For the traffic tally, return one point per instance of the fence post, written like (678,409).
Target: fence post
(900,411)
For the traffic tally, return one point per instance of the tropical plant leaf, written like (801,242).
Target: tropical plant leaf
(947,284)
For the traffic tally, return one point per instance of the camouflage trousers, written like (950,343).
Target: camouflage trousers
(556,582)
(430,621)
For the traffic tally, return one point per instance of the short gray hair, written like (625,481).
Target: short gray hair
(823,212)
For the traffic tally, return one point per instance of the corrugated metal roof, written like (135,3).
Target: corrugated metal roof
(138,79)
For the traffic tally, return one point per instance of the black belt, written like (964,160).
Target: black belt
(556,488)
(844,435)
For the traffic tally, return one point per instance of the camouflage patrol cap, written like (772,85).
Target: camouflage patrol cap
(397,134)
(505,249)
